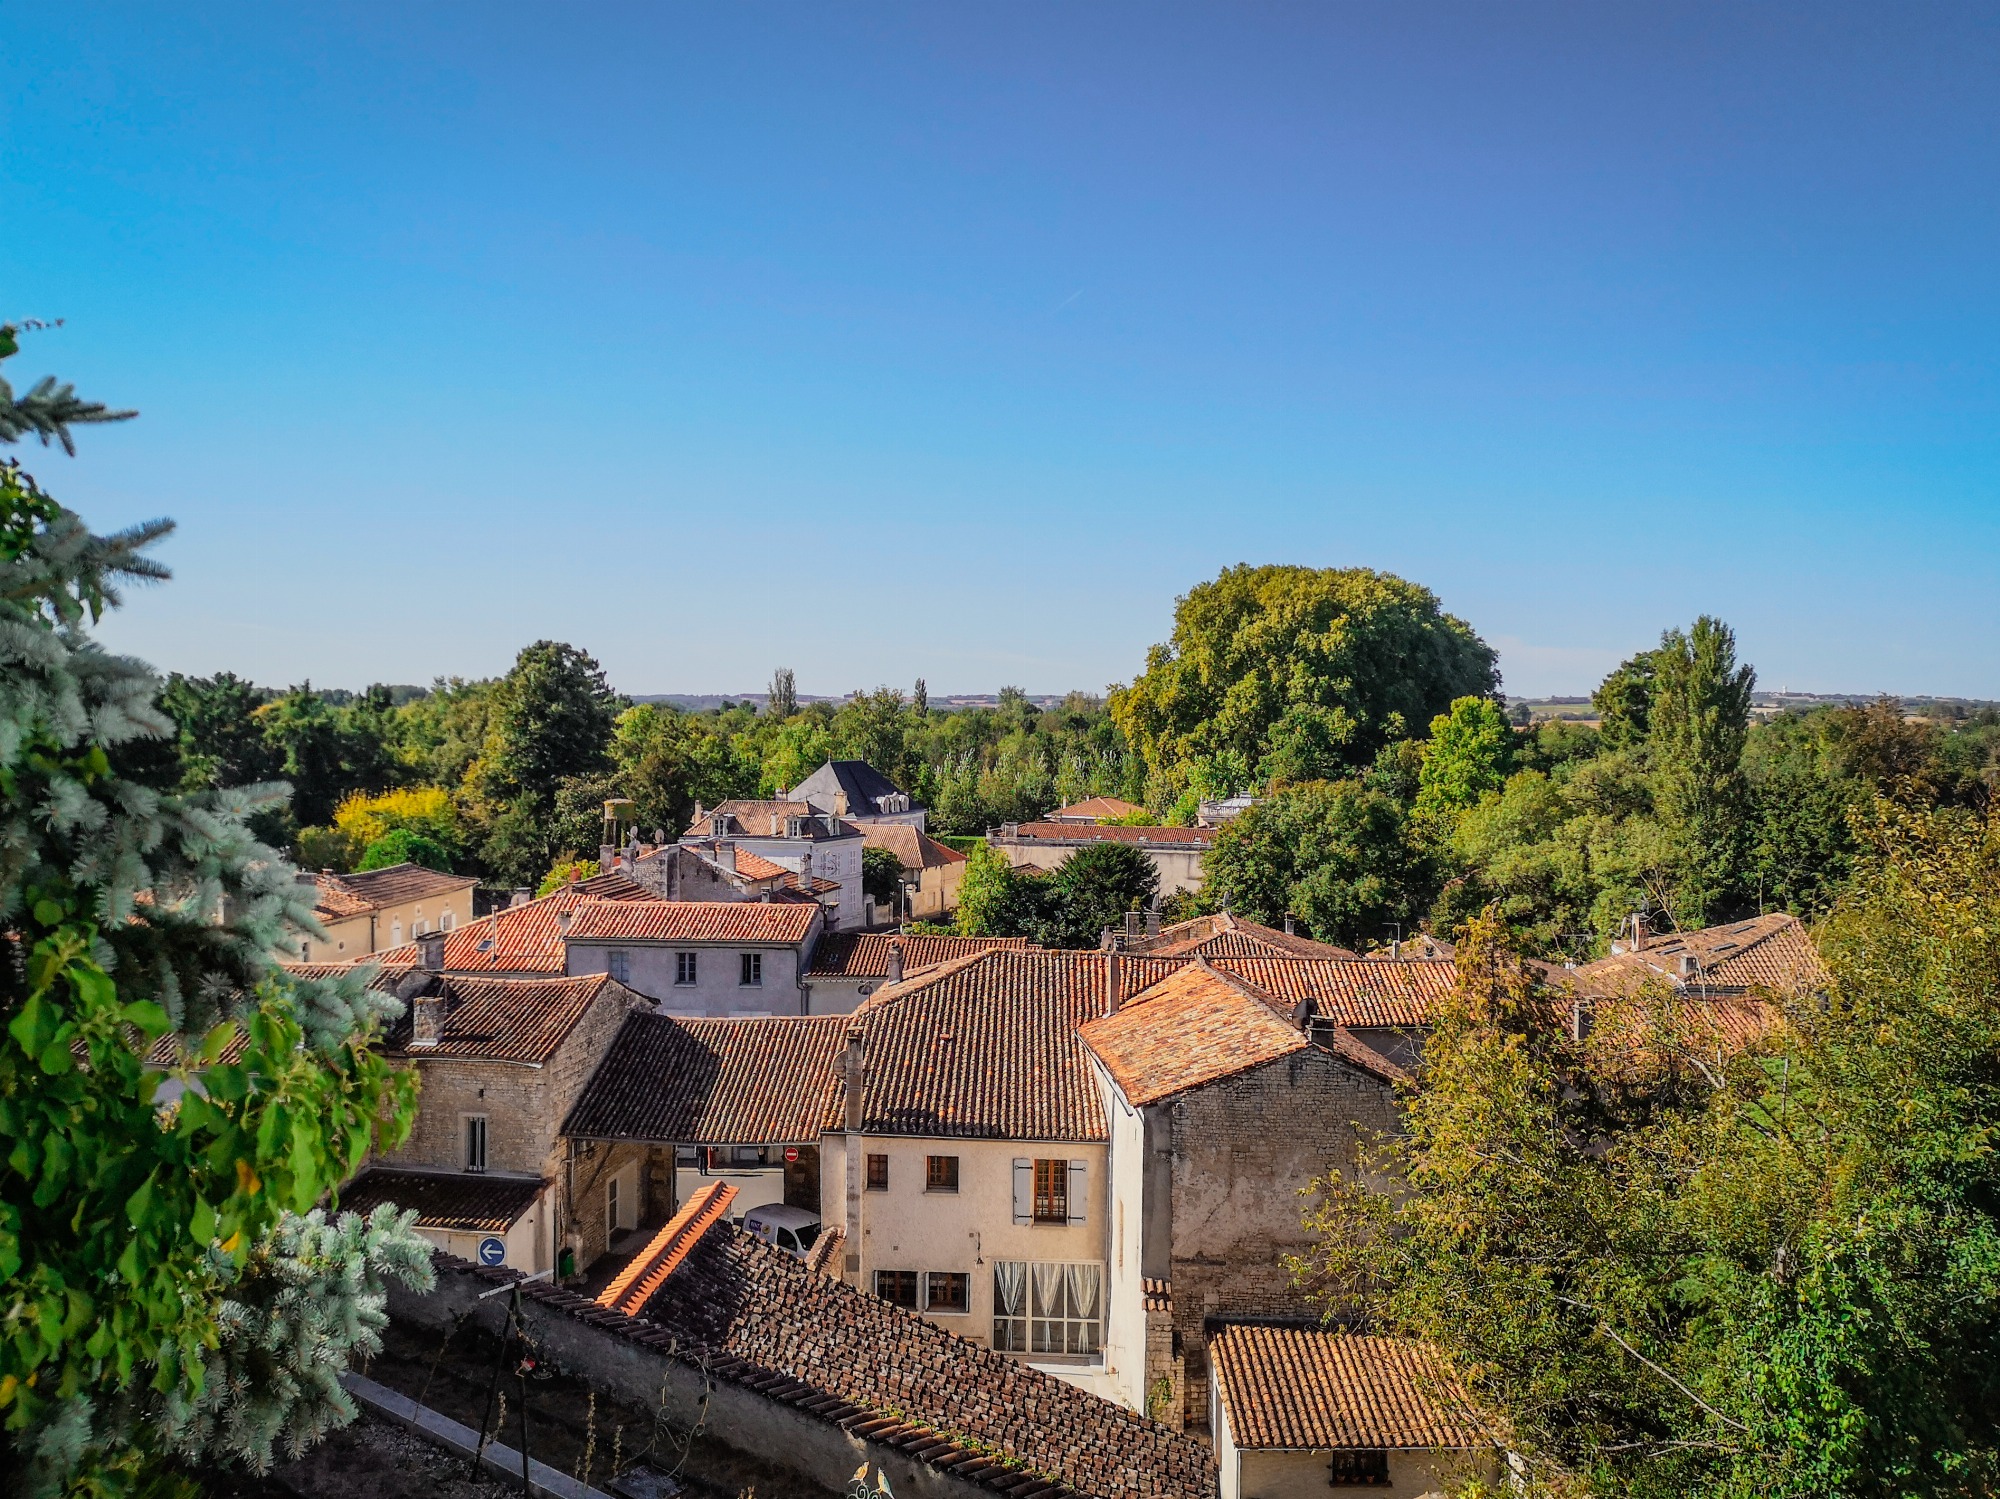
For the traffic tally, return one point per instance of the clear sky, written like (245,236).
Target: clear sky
(956,340)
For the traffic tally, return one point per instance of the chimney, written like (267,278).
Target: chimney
(563,919)
(1153,922)
(308,884)
(518,898)
(607,858)
(1395,947)
(426,1021)
(697,813)
(1105,940)
(1288,923)
(1304,1013)
(1131,924)
(1579,1021)
(430,951)
(1114,982)
(895,962)
(1638,931)
(856,1077)
(725,854)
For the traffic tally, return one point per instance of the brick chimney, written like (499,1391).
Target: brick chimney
(725,854)
(430,951)
(895,962)
(1638,931)
(426,1021)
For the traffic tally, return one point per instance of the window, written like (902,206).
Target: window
(447,921)
(1359,1468)
(396,932)
(418,928)
(475,1142)
(940,1173)
(878,1173)
(1052,1191)
(753,968)
(611,1223)
(684,967)
(621,965)
(305,952)
(947,1291)
(897,1286)
(1047,1308)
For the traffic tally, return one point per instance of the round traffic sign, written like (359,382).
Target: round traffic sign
(791,1154)
(492,1252)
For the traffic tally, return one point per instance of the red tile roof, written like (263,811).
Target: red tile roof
(525,938)
(397,884)
(1302,1388)
(1077,832)
(1352,991)
(1227,936)
(865,955)
(508,1019)
(712,1082)
(463,1202)
(777,924)
(634,1286)
(916,849)
(1768,952)
(1093,808)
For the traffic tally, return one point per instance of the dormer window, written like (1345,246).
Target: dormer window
(795,827)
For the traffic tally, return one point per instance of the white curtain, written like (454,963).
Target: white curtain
(1010,1281)
(1085,1284)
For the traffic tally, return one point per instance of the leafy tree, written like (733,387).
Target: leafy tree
(221,740)
(1093,890)
(873,726)
(1624,702)
(1335,854)
(798,749)
(552,717)
(1699,718)
(1314,670)
(1470,752)
(566,872)
(403,846)
(783,700)
(995,899)
(881,875)
(143,926)
(920,700)
(1673,1271)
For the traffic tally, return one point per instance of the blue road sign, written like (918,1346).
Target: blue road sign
(492,1252)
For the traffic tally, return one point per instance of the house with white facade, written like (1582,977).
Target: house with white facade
(718,958)
(816,845)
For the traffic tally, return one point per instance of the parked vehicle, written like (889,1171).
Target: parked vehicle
(793,1230)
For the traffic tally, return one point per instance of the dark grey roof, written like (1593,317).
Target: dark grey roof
(863,784)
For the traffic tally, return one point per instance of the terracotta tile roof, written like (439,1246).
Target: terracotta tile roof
(828,1252)
(385,977)
(1352,991)
(464,1201)
(781,924)
(1233,937)
(766,819)
(712,1082)
(1077,832)
(1299,1387)
(760,1320)
(1189,1029)
(1423,945)
(335,902)
(1093,808)
(865,955)
(525,938)
(634,1286)
(1768,952)
(398,883)
(508,1019)
(917,850)
(984,1046)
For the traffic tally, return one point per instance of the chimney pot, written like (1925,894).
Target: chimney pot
(895,962)
(563,919)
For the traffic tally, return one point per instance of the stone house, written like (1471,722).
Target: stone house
(1176,852)
(932,872)
(501,1062)
(725,958)
(1219,1108)
(524,939)
(847,967)
(813,843)
(380,909)
(858,792)
(1294,1410)
(679,1104)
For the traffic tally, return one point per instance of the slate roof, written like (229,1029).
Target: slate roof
(776,924)
(1769,952)
(1077,832)
(1201,1025)
(1352,991)
(865,955)
(507,1019)
(1092,809)
(917,850)
(863,785)
(1299,1387)
(464,1202)
(986,1047)
(525,938)
(712,1082)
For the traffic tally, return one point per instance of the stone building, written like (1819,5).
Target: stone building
(380,909)
(814,843)
(1220,1106)
(501,1062)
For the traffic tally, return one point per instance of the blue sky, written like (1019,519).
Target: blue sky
(957,340)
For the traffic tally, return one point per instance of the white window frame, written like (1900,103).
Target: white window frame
(1041,1329)
(473,1136)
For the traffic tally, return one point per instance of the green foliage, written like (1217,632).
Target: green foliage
(990,896)
(1670,1271)
(1699,719)
(1305,674)
(1093,890)
(783,700)
(144,926)
(881,875)
(566,872)
(1337,855)
(551,719)
(402,846)
(1470,752)
(1624,702)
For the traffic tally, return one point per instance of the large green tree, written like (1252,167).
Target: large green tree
(1093,890)
(1699,719)
(1304,673)
(168,1096)
(1470,751)
(550,721)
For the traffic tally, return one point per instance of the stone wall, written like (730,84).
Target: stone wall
(1241,1150)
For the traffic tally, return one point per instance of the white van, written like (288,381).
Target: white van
(793,1230)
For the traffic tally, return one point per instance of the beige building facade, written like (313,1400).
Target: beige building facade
(372,912)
